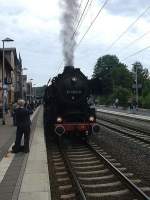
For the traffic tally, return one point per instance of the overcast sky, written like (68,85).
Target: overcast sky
(35,26)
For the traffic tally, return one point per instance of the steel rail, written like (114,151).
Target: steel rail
(136,190)
(71,171)
(124,132)
(125,118)
(126,126)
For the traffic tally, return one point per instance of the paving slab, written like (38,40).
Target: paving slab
(11,165)
(35,195)
(35,183)
(7,136)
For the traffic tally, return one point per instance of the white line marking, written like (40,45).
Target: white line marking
(7,159)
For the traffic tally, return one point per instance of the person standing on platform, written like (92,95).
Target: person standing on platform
(134,103)
(116,102)
(23,123)
(28,106)
(14,106)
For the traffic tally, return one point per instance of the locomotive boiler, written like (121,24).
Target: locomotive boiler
(67,107)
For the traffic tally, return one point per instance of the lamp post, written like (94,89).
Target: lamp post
(34,91)
(22,81)
(30,88)
(136,82)
(3,79)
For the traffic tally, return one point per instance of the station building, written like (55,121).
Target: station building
(12,77)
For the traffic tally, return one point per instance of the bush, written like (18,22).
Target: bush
(123,95)
(105,100)
(146,101)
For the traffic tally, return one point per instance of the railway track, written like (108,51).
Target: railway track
(86,172)
(130,132)
(136,125)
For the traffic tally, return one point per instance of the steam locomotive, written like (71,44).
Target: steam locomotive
(67,109)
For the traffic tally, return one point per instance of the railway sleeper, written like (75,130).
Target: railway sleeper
(93,172)
(68,196)
(106,189)
(83,159)
(124,194)
(89,167)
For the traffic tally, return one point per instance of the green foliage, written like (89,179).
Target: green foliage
(146,87)
(105,100)
(122,77)
(117,81)
(146,101)
(104,65)
(112,74)
(142,73)
(123,95)
(142,78)
(103,70)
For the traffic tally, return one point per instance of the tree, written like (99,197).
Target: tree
(142,78)
(103,70)
(117,80)
(122,77)
(142,73)
(123,95)
(113,74)
(105,64)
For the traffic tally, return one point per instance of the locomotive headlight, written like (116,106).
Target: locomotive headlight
(59,119)
(91,119)
(74,79)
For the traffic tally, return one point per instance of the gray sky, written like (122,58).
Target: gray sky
(35,26)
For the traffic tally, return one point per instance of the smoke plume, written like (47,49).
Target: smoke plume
(70,12)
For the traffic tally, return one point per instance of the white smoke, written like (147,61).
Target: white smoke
(69,16)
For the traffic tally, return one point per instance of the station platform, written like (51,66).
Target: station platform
(141,114)
(24,176)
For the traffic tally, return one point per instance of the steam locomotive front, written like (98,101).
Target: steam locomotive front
(72,87)
(74,114)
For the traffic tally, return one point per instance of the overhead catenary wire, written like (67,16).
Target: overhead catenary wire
(90,4)
(76,29)
(93,21)
(128,28)
(78,23)
(137,52)
(76,17)
(136,40)
(58,69)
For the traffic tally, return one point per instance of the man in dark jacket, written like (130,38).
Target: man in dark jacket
(23,127)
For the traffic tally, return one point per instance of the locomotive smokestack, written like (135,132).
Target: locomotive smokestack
(68,67)
(68,33)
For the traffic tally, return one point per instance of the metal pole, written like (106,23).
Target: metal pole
(22,83)
(136,81)
(30,90)
(3,96)
(35,93)
(23,96)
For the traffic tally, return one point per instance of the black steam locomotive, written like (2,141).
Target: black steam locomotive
(67,109)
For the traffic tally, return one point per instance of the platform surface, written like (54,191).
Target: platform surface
(35,184)
(24,176)
(140,114)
